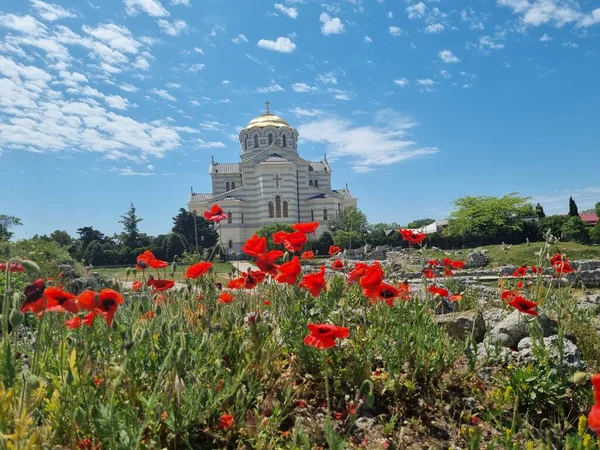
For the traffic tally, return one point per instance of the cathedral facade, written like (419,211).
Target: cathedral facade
(271,183)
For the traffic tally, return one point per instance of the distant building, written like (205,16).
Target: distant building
(589,218)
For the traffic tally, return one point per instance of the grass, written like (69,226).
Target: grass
(221,268)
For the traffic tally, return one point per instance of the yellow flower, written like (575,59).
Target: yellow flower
(582,425)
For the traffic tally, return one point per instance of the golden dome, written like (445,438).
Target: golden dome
(267,120)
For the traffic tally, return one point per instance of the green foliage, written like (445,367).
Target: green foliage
(269,230)
(48,254)
(597,209)
(553,223)
(348,239)
(6,223)
(349,219)
(539,210)
(131,232)
(174,245)
(196,230)
(573,210)
(595,234)
(94,254)
(574,229)
(62,238)
(419,223)
(323,243)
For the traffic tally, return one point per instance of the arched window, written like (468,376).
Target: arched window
(230,243)
(310,182)
(227,186)
(229,217)
(284,141)
(324,213)
(246,143)
(312,215)
(232,185)
(270,139)
(277,206)
(271,210)
(316,183)
(256,140)
(285,209)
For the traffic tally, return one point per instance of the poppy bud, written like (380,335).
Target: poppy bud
(33,382)
(579,377)
(70,377)
(286,257)
(128,271)
(174,267)
(370,399)
(30,266)
(79,416)
(16,318)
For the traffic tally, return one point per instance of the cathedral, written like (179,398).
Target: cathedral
(271,183)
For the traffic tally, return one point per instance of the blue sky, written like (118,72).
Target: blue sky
(416,103)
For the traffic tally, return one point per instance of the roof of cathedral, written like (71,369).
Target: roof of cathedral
(267,120)
(319,166)
(196,197)
(275,158)
(225,168)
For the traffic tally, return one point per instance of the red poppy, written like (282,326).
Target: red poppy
(215,214)
(225,421)
(301,404)
(308,255)
(593,419)
(455,298)
(428,273)
(524,305)
(447,272)
(294,241)
(357,272)
(60,301)
(266,261)
(338,264)
(88,319)
(333,250)
(255,246)
(160,285)
(324,335)
(104,303)
(388,293)
(508,295)
(73,323)
(306,228)
(520,284)
(563,267)
(372,279)
(557,258)
(404,291)
(289,272)
(147,259)
(314,282)
(137,285)
(34,297)
(236,283)
(252,278)
(520,272)
(433,262)
(13,268)
(279,236)
(267,302)
(535,270)
(225,297)
(442,292)
(198,269)
(411,236)
(148,315)
(596,384)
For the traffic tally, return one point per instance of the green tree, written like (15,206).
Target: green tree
(269,230)
(384,234)
(553,223)
(539,210)
(174,245)
(89,234)
(349,219)
(131,233)
(324,242)
(595,234)
(489,218)
(597,209)
(61,237)
(574,229)
(573,211)
(419,223)
(348,239)
(94,254)
(192,228)
(6,223)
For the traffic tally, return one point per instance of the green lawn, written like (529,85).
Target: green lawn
(526,254)
(219,267)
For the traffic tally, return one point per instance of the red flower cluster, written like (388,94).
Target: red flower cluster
(293,242)
(148,260)
(593,419)
(451,264)
(561,264)
(333,250)
(337,264)
(324,335)
(411,236)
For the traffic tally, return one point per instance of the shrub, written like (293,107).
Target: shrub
(574,229)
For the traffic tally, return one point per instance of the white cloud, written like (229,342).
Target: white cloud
(174,28)
(331,25)
(150,167)
(117,102)
(272,88)
(556,12)
(211,125)
(445,74)
(390,15)
(395,31)
(368,40)
(425,82)
(23,24)
(486,43)
(416,11)
(117,37)
(173,85)
(181,2)
(128,87)
(290,12)
(434,28)
(225,82)
(163,94)
(366,147)
(204,144)
(301,112)
(141,63)
(151,7)
(50,11)
(448,57)
(342,96)
(402,82)
(545,38)
(199,50)
(282,44)
(195,68)
(570,44)
(327,78)
(129,172)
(239,38)
(303,87)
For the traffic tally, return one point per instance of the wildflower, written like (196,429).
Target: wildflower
(294,241)
(442,292)
(448,272)
(447,262)
(160,285)
(563,267)
(266,261)
(104,303)
(324,335)
(535,270)
(12,268)
(338,264)
(308,255)
(149,315)
(98,381)
(520,284)
(147,259)
(455,298)
(525,306)
(225,297)
(428,273)
(301,404)
(372,279)
(60,301)
(411,236)
(404,291)
(34,297)
(289,272)
(198,269)
(433,262)
(596,384)
(306,228)
(252,278)
(88,319)
(279,236)
(225,421)
(314,282)
(255,246)
(215,214)
(594,419)
(137,285)
(520,272)
(73,323)
(508,295)
(388,293)
(267,302)
(236,283)
(334,250)
(357,272)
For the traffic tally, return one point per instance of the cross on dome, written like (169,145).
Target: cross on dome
(267,103)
